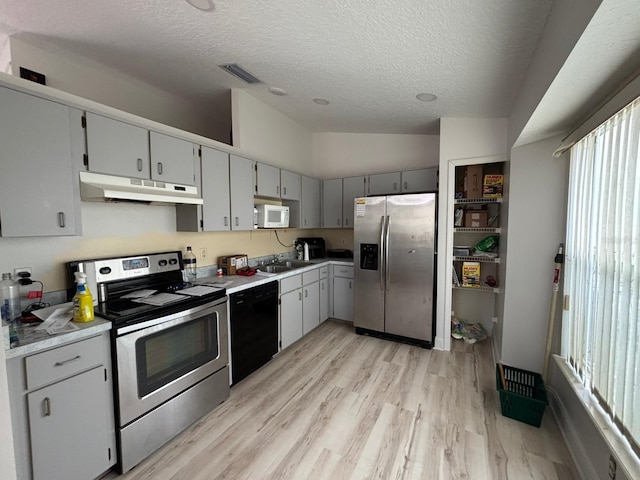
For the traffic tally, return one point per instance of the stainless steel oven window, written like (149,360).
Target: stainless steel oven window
(169,354)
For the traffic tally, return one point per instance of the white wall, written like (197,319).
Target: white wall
(338,155)
(537,220)
(566,23)
(261,131)
(5,54)
(460,138)
(88,79)
(7,459)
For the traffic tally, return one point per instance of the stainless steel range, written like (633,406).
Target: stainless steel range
(169,343)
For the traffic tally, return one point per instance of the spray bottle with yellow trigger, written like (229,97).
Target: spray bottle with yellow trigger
(82,300)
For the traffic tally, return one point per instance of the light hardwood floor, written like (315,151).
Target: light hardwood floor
(336,405)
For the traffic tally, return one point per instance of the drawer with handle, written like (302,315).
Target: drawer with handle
(342,271)
(50,366)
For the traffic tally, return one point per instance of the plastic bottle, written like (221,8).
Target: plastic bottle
(10,306)
(190,265)
(82,300)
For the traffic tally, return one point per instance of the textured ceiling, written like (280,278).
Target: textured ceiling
(368,58)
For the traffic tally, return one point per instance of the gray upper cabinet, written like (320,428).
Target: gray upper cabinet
(117,148)
(423,180)
(352,187)
(384,184)
(310,203)
(332,203)
(42,145)
(172,159)
(241,191)
(290,185)
(216,208)
(267,180)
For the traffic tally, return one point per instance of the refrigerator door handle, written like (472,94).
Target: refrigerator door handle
(381,253)
(386,255)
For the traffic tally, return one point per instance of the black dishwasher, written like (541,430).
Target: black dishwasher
(254,329)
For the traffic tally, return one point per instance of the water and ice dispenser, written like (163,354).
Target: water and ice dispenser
(369,256)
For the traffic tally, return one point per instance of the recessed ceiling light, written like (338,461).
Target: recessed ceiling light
(426,97)
(277,91)
(204,5)
(321,101)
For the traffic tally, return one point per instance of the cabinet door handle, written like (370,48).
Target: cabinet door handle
(405,185)
(139,164)
(349,285)
(305,222)
(300,296)
(277,189)
(338,222)
(226,221)
(306,293)
(61,220)
(346,221)
(46,403)
(322,285)
(284,190)
(64,362)
(159,168)
(395,186)
(237,221)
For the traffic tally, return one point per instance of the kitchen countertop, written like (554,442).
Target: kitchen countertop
(32,340)
(240,283)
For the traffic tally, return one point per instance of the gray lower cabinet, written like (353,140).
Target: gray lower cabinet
(42,143)
(62,411)
(343,292)
(324,293)
(290,310)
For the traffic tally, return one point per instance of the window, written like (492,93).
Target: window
(601,331)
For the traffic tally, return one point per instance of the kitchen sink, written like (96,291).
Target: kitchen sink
(275,268)
(284,266)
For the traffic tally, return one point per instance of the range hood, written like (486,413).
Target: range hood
(100,187)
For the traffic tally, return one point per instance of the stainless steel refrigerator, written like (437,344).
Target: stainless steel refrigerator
(394,260)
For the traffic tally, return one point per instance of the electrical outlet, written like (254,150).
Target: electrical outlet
(494,319)
(24,270)
(203,254)
(613,467)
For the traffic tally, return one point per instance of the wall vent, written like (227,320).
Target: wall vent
(237,71)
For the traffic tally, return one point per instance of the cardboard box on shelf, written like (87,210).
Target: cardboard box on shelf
(471,274)
(492,186)
(230,264)
(473,182)
(475,219)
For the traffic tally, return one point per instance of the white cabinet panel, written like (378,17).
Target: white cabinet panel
(172,159)
(384,183)
(310,208)
(116,147)
(352,187)
(423,180)
(267,180)
(241,178)
(290,317)
(332,203)
(39,192)
(290,183)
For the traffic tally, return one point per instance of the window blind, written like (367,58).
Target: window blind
(602,331)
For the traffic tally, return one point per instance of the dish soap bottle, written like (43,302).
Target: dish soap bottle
(82,300)
(190,265)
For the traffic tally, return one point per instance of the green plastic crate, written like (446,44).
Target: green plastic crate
(525,397)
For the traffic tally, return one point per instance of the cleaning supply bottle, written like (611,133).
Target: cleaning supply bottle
(10,306)
(190,265)
(82,300)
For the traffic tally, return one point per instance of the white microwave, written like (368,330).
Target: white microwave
(272,216)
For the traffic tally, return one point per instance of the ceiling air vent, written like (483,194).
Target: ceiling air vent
(237,71)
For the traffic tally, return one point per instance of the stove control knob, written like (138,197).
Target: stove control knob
(105,270)
(173,261)
(162,263)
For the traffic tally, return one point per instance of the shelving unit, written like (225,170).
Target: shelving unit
(482,305)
